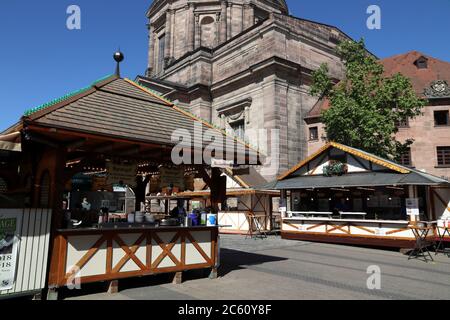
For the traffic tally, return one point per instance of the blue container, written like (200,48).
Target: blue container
(212,220)
(194,219)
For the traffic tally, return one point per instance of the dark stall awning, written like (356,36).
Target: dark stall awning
(372,179)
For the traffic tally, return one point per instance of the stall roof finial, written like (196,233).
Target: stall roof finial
(118,57)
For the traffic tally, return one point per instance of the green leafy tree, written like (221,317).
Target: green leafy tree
(366,107)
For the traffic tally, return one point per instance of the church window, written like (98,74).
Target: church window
(313,134)
(421,63)
(239,129)
(405,158)
(443,156)
(208,32)
(441,118)
(161,48)
(207,20)
(403,123)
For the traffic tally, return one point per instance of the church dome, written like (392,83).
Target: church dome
(281,5)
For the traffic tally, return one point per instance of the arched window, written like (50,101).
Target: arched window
(44,195)
(3,185)
(208,35)
(207,20)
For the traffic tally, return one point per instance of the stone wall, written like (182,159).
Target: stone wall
(261,76)
(427,137)
(189,25)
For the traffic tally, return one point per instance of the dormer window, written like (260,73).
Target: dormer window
(421,63)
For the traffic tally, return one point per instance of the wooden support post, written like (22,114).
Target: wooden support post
(139,190)
(113,287)
(271,213)
(213,273)
(178,278)
(283,202)
(218,186)
(432,209)
(53,164)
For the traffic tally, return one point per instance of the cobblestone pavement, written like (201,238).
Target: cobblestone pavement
(274,269)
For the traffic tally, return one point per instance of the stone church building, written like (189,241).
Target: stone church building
(243,65)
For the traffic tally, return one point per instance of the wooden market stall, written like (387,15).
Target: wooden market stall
(345,195)
(246,210)
(77,151)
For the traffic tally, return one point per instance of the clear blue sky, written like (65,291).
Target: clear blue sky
(40,59)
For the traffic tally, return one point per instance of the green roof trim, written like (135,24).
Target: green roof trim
(64,97)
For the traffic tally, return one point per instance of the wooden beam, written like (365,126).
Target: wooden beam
(108,146)
(73,146)
(128,151)
(35,137)
(90,136)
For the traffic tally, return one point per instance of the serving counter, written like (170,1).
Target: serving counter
(391,233)
(92,255)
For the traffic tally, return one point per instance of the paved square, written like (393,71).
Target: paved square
(274,269)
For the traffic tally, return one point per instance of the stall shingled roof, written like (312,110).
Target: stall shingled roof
(120,108)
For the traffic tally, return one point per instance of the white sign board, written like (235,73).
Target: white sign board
(412,207)
(121,173)
(9,240)
(220,163)
(172,176)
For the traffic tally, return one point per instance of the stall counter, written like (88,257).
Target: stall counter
(92,255)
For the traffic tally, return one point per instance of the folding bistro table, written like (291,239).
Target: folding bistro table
(442,237)
(422,243)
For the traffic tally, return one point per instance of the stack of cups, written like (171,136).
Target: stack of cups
(139,217)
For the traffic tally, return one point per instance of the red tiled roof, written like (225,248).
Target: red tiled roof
(420,78)
(404,64)
(315,112)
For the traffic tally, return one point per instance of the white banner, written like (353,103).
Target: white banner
(121,173)
(9,241)
(412,207)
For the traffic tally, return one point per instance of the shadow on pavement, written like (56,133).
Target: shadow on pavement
(235,260)
(230,260)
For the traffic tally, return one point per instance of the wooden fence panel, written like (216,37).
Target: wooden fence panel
(32,255)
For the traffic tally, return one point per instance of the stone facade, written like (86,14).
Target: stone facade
(241,64)
(427,138)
